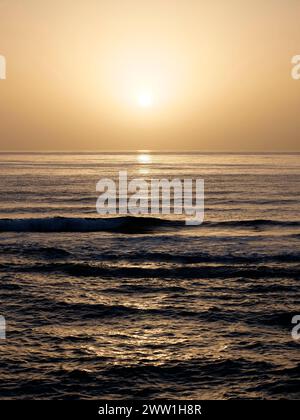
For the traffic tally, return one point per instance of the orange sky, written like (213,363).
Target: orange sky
(213,75)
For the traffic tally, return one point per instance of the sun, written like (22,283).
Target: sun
(145,99)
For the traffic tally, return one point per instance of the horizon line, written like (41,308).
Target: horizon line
(154,151)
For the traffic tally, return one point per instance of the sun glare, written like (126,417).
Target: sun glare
(145,100)
(144,158)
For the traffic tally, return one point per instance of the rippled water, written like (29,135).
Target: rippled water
(149,309)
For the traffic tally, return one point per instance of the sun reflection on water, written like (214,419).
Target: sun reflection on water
(144,158)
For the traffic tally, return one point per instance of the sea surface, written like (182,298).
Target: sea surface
(149,308)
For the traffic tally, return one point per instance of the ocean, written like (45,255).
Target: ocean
(149,308)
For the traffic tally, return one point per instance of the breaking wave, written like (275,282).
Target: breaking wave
(126,224)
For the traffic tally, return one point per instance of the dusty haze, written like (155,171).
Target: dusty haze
(219,73)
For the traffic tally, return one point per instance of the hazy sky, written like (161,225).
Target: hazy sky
(150,74)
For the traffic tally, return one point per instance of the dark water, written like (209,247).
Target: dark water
(149,308)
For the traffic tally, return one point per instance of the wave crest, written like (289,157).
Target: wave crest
(126,224)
